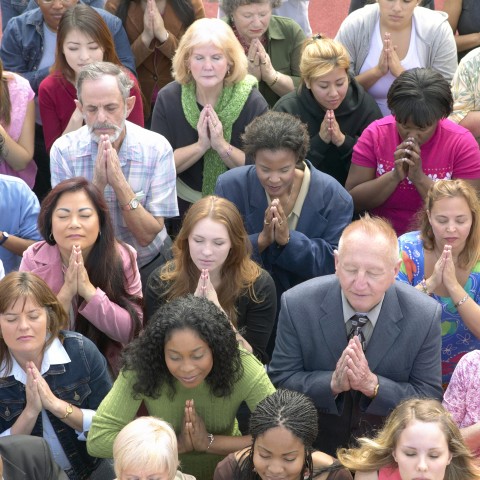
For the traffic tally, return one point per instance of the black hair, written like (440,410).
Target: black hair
(277,131)
(284,408)
(420,95)
(146,356)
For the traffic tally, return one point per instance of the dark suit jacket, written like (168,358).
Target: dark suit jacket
(26,457)
(404,352)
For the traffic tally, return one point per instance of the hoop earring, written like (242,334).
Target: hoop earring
(50,237)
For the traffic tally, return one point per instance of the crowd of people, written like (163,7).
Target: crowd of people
(232,250)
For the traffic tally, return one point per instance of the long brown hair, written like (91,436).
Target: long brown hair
(19,286)
(5,103)
(85,19)
(238,272)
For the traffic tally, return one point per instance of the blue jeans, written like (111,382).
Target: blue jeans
(12,8)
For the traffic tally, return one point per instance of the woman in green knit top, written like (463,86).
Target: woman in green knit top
(188,370)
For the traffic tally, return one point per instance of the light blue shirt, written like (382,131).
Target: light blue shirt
(19,210)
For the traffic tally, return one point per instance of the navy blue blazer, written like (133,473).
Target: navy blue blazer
(327,210)
(404,352)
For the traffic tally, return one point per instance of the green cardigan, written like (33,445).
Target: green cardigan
(119,407)
(285,40)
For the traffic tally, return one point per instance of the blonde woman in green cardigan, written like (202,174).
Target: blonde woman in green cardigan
(189,371)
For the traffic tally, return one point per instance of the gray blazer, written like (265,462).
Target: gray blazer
(404,352)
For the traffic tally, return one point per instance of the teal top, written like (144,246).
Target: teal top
(120,407)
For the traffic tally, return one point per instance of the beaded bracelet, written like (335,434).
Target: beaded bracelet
(423,284)
(461,302)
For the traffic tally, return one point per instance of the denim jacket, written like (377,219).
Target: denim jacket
(83,382)
(22,45)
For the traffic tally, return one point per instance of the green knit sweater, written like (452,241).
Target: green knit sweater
(119,408)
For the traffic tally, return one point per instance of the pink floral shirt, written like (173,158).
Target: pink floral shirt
(462,397)
(20,95)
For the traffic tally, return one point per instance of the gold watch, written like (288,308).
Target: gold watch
(68,411)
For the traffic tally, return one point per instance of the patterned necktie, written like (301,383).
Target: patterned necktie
(358,322)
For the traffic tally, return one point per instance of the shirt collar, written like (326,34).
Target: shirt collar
(54,355)
(349,312)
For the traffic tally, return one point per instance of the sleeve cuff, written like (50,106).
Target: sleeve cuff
(87,423)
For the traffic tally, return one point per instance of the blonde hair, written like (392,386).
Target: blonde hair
(21,286)
(239,272)
(207,31)
(375,453)
(373,227)
(146,443)
(470,254)
(320,56)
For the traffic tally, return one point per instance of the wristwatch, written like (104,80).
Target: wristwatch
(68,411)
(132,204)
(5,236)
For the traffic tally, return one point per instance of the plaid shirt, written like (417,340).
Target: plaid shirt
(466,87)
(146,159)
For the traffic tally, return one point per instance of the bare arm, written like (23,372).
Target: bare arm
(17,245)
(367,191)
(19,154)
(471,122)
(464,42)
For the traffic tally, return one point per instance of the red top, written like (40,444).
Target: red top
(56,97)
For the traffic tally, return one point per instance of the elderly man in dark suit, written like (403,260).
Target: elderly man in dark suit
(359,342)
(25,457)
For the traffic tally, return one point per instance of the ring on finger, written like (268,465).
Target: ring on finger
(251,60)
(280,223)
(265,222)
(263,63)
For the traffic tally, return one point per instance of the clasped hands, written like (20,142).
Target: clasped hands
(38,393)
(259,63)
(330,130)
(76,279)
(389,61)
(206,289)
(408,161)
(210,131)
(444,272)
(153,25)
(275,224)
(108,170)
(193,434)
(352,371)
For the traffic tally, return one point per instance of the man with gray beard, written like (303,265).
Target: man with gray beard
(132,166)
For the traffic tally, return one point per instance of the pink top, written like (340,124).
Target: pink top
(113,320)
(462,397)
(451,152)
(56,101)
(389,473)
(20,95)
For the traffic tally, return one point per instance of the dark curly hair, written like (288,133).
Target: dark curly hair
(146,357)
(277,131)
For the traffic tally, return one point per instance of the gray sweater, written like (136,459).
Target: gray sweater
(435,41)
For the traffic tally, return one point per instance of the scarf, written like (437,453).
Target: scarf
(228,108)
